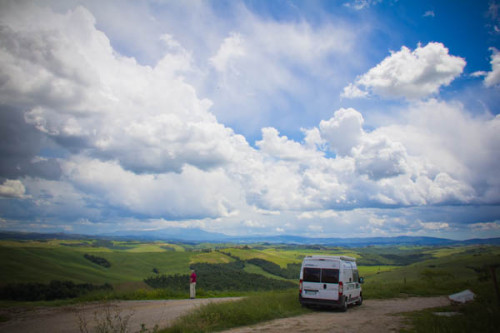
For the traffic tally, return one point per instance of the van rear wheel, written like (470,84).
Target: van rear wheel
(343,306)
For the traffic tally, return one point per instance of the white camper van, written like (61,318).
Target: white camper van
(330,281)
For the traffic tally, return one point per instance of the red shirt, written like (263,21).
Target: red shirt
(193,278)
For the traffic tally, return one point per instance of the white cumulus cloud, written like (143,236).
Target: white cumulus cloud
(343,131)
(231,48)
(493,78)
(409,74)
(12,189)
(281,147)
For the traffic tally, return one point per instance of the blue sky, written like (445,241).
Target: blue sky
(317,118)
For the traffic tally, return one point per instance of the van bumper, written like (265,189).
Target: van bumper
(319,302)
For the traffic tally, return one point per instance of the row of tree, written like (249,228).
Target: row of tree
(47,292)
(292,271)
(98,260)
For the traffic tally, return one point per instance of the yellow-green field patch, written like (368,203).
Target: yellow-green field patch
(447,251)
(213,257)
(247,254)
(373,270)
(151,247)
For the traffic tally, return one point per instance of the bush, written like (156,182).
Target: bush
(175,282)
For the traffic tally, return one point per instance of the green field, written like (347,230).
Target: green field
(388,271)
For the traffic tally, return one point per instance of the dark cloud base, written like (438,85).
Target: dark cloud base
(20,144)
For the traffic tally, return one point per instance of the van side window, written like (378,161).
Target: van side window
(330,276)
(312,274)
(356,275)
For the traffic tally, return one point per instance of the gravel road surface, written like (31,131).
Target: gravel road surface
(67,319)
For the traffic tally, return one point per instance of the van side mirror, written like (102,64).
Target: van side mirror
(361,280)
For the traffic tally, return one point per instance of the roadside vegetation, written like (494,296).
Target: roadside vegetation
(481,315)
(248,311)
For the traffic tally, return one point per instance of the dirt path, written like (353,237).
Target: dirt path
(372,316)
(66,319)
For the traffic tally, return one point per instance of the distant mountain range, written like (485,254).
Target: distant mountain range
(198,236)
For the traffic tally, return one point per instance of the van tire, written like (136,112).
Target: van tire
(343,305)
(360,300)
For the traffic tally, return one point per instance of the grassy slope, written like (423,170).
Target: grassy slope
(42,264)
(443,275)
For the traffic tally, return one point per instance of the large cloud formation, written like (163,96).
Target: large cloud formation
(112,140)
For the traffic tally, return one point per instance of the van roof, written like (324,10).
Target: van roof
(320,257)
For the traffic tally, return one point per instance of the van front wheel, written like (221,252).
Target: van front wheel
(360,300)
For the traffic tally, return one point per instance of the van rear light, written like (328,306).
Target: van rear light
(300,286)
(341,289)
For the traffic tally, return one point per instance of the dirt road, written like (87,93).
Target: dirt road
(66,319)
(372,316)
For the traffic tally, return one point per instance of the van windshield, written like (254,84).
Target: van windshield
(323,275)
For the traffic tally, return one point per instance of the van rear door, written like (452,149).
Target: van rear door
(320,280)
(329,288)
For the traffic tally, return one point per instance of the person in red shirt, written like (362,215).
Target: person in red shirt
(192,285)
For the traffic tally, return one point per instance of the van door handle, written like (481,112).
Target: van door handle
(324,286)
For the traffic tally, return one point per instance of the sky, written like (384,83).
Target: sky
(342,118)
